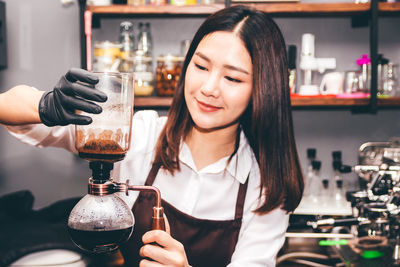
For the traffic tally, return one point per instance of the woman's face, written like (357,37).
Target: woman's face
(218,81)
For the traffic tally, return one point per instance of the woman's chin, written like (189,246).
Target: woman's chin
(213,126)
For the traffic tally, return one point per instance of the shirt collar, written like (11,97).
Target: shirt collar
(239,166)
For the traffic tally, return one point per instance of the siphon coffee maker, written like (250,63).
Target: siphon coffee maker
(101,220)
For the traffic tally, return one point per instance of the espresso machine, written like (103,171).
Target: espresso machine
(375,222)
(101,220)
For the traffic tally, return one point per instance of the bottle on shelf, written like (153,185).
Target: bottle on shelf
(364,79)
(326,196)
(337,155)
(339,194)
(315,185)
(382,64)
(143,62)
(144,76)
(145,42)
(339,187)
(338,190)
(390,81)
(328,193)
(311,155)
(127,40)
(337,177)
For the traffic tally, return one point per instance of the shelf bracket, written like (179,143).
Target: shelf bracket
(361,109)
(96,22)
(373,39)
(82,8)
(360,21)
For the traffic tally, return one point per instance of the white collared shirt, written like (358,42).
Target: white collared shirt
(209,193)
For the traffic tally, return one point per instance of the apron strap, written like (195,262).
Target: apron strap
(152,174)
(240,199)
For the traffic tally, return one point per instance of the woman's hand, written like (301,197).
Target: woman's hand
(168,252)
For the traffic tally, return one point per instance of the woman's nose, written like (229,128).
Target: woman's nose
(210,86)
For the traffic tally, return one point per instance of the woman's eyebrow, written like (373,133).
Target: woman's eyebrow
(231,67)
(202,56)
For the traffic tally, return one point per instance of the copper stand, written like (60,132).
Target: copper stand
(111,187)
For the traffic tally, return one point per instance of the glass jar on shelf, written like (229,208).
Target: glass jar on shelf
(137,2)
(143,70)
(106,56)
(390,80)
(168,72)
(182,2)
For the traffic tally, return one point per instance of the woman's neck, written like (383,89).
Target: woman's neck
(208,147)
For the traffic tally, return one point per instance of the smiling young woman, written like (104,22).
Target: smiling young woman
(246,49)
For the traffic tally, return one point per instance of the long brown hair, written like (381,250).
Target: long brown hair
(267,121)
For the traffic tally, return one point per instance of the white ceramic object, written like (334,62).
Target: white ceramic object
(53,257)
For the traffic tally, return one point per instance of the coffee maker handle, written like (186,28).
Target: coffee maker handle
(158,219)
(158,224)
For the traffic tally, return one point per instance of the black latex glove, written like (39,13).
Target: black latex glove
(73,92)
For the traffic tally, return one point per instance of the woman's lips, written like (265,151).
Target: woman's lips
(206,107)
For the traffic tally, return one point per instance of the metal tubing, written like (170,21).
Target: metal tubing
(148,188)
(318,235)
(110,188)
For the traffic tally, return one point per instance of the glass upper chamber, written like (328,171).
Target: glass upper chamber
(107,138)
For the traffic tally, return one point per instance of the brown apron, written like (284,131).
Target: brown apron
(207,242)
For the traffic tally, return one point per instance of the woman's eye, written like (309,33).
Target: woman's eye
(232,79)
(200,67)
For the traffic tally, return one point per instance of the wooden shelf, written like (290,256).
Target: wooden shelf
(272,8)
(150,9)
(305,9)
(303,102)
(279,9)
(389,102)
(328,102)
(389,8)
